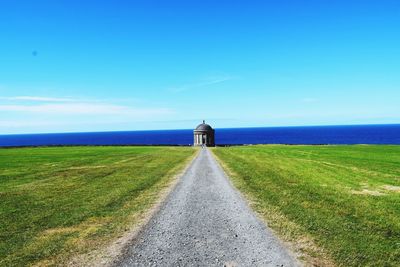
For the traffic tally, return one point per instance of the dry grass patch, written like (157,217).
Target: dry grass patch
(392,188)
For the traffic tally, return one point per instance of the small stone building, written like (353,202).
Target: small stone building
(204,135)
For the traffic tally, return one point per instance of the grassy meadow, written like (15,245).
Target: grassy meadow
(345,199)
(57,202)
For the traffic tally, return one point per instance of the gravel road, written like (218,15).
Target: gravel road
(205,222)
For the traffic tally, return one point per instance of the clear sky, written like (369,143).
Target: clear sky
(68,66)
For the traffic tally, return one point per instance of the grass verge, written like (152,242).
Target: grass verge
(339,203)
(59,202)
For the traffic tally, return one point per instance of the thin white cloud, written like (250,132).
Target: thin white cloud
(208,82)
(47,114)
(38,99)
(28,123)
(86,109)
(72,106)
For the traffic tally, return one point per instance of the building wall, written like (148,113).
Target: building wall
(209,138)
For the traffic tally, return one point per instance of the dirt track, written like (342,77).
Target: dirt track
(205,222)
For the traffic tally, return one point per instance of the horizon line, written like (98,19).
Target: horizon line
(181,129)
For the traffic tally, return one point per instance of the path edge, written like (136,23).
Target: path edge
(294,249)
(111,254)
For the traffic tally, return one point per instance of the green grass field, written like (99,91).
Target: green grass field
(345,198)
(61,201)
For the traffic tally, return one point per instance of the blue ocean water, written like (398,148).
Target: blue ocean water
(355,134)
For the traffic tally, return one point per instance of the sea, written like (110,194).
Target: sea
(317,135)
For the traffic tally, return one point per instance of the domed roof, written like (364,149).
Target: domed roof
(204,127)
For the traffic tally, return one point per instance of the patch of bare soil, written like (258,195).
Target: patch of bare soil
(309,253)
(380,191)
(87,167)
(367,192)
(392,188)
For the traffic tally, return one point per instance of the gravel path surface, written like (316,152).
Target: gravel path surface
(205,222)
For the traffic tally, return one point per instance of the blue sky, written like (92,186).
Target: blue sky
(68,66)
